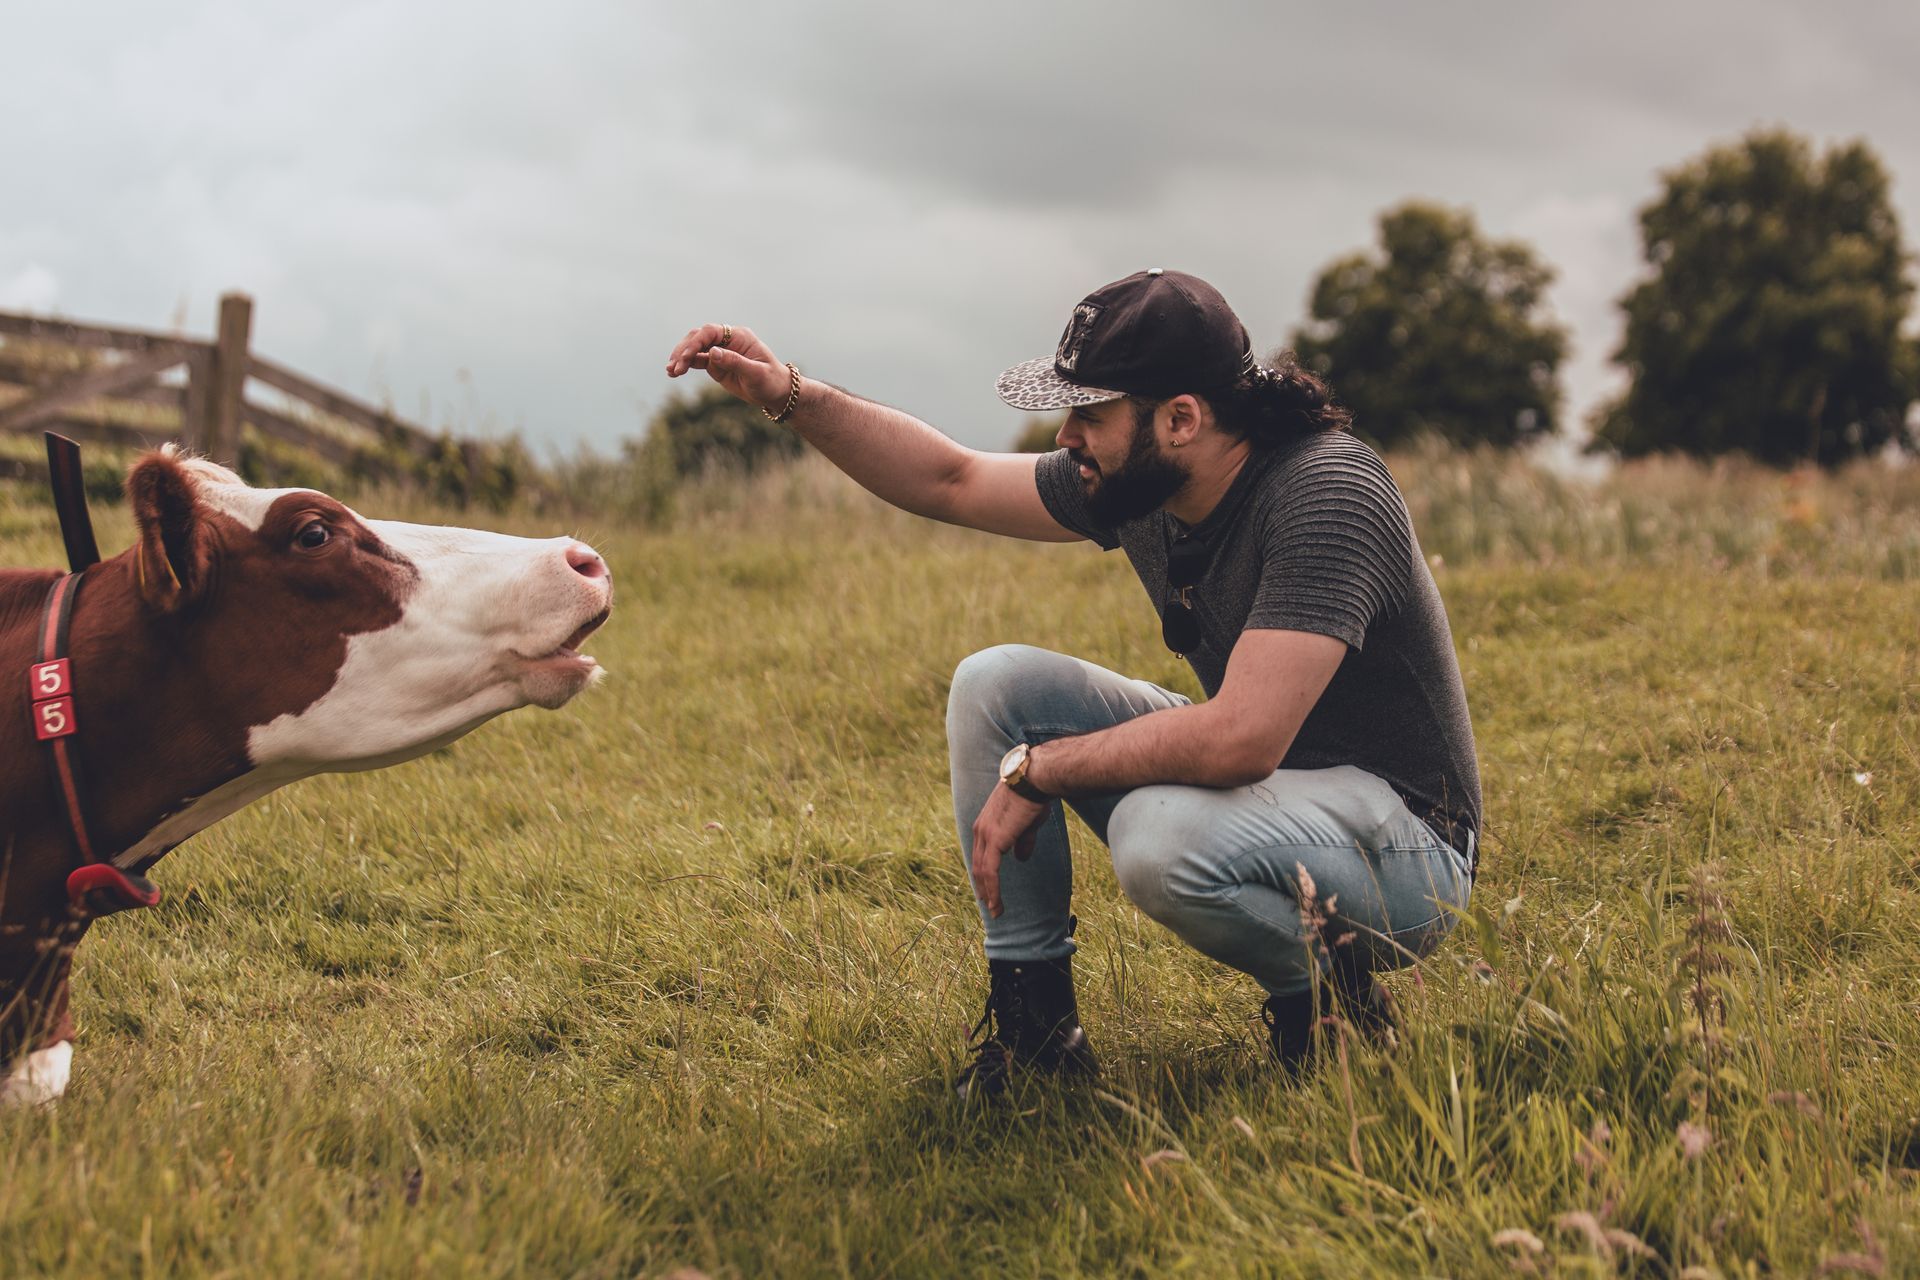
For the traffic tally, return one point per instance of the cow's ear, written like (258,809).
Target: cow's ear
(173,557)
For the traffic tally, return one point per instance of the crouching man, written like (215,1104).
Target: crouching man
(1314,821)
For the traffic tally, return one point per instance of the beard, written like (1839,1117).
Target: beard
(1143,481)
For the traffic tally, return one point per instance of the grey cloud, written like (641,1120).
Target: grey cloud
(906,198)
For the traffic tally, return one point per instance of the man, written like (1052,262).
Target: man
(1315,820)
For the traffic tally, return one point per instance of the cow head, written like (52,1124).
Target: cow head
(346,643)
(251,637)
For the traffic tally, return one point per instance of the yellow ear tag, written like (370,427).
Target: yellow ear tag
(140,559)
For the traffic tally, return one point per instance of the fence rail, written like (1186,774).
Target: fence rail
(115,392)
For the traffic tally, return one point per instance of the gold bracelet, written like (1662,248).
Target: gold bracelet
(793,396)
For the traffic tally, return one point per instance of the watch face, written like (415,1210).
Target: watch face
(1010,763)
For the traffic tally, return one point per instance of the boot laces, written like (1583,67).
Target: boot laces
(992,1056)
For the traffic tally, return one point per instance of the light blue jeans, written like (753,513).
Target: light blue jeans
(1220,867)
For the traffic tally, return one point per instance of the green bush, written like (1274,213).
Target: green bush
(275,464)
(711,431)
(636,486)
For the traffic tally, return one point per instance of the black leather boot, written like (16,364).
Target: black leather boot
(1293,1035)
(1364,1003)
(1031,1024)
(1368,1008)
(1290,1023)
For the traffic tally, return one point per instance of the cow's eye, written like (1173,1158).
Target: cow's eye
(312,536)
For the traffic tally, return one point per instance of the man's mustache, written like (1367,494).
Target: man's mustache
(1084,460)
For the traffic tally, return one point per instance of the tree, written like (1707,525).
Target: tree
(1443,332)
(1771,322)
(712,430)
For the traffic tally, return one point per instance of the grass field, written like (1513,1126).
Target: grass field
(675,978)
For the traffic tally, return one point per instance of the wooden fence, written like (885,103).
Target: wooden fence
(124,388)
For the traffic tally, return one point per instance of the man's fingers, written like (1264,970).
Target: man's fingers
(986,887)
(718,363)
(986,875)
(722,365)
(691,351)
(682,358)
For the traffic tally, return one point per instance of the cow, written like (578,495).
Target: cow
(248,638)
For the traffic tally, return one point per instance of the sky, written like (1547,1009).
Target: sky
(501,218)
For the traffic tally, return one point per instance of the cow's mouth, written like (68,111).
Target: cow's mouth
(551,679)
(570,647)
(568,650)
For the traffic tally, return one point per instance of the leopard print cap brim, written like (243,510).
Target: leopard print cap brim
(1037,386)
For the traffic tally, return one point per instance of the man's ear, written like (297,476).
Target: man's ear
(1184,416)
(173,558)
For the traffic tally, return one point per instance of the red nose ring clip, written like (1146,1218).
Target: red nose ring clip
(100,889)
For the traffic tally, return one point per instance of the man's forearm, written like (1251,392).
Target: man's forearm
(1192,746)
(891,454)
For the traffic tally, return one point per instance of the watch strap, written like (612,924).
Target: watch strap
(1018,782)
(1027,791)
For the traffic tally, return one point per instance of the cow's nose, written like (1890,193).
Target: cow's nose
(586,562)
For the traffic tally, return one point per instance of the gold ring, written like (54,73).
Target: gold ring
(726,334)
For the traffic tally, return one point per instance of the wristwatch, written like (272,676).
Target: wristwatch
(1013,772)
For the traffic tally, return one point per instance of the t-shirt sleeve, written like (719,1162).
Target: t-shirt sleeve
(1338,553)
(1066,500)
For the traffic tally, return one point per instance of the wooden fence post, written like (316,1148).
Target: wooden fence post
(221,426)
(196,411)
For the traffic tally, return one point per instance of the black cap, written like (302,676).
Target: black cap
(1154,334)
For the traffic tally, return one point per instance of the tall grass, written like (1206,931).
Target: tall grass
(677,977)
(1470,507)
(1476,507)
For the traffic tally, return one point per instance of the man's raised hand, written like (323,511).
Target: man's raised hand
(743,366)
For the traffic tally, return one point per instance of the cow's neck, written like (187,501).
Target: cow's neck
(151,762)
(23,781)
(22,592)
(146,693)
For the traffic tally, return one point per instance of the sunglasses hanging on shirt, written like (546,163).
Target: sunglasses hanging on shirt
(1187,558)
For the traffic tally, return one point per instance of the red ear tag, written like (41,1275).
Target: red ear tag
(53,718)
(50,679)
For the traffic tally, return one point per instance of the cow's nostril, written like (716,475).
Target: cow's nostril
(586,562)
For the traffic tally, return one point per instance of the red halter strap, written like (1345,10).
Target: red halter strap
(97,887)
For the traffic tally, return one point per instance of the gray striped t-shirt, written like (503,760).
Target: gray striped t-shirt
(1313,536)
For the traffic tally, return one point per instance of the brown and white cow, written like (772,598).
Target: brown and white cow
(250,638)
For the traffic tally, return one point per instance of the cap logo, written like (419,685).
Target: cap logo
(1067,356)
